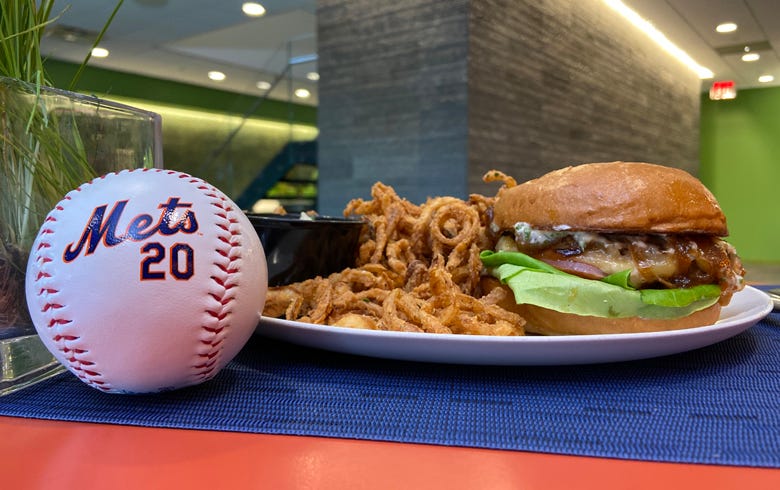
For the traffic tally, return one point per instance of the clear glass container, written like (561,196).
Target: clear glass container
(52,141)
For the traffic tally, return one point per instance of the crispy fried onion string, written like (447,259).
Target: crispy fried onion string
(417,270)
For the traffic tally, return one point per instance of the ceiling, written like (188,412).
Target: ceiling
(690,24)
(183,40)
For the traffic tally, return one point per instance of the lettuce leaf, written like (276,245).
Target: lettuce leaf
(538,283)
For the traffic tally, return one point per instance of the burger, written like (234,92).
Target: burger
(612,248)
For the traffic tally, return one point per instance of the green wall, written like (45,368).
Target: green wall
(122,84)
(198,120)
(740,163)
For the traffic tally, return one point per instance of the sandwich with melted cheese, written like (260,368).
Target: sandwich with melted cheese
(613,248)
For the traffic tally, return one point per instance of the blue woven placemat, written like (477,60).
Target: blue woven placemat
(718,405)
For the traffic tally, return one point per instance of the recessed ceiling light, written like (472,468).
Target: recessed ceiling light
(659,37)
(726,27)
(766,78)
(263,85)
(302,93)
(217,76)
(313,76)
(750,57)
(253,9)
(99,52)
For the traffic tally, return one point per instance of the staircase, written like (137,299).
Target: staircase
(292,153)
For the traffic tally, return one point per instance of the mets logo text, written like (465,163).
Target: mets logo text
(175,217)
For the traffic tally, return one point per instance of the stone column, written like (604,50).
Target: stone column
(427,95)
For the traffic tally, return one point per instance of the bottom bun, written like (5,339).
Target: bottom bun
(550,322)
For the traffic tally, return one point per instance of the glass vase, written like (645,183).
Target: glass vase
(52,141)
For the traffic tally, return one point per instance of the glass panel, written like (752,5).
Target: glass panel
(52,141)
(265,164)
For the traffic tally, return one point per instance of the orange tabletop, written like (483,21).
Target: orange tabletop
(46,454)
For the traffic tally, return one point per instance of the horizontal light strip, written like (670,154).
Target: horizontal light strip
(304,58)
(659,37)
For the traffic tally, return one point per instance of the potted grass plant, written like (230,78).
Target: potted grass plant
(51,141)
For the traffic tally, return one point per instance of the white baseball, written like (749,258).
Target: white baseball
(145,281)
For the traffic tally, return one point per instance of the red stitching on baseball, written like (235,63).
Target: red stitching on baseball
(224,300)
(219,315)
(229,240)
(53,309)
(58,321)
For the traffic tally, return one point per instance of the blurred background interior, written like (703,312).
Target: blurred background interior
(306,104)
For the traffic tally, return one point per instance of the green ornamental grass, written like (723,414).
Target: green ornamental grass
(41,153)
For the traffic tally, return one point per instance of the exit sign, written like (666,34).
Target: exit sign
(723,90)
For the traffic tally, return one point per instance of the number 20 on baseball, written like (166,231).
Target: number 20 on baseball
(175,217)
(181,259)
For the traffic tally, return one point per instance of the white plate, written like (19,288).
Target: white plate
(775,298)
(747,307)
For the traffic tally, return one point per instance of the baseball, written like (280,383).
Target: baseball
(146,280)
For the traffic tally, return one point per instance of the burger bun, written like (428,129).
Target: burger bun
(544,321)
(613,197)
(550,322)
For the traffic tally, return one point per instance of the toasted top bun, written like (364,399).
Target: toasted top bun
(617,197)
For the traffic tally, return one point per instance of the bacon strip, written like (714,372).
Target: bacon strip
(577,268)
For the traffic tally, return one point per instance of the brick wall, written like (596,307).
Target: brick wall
(554,82)
(393,98)
(427,95)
